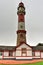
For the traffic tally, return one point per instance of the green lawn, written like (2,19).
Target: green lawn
(38,63)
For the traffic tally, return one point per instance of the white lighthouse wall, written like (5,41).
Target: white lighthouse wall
(21,24)
(19,52)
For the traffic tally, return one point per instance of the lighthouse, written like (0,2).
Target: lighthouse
(21,32)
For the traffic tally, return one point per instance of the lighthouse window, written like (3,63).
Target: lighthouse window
(21,26)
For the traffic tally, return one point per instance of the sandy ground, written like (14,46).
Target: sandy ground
(18,61)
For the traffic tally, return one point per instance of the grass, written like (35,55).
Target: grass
(38,63)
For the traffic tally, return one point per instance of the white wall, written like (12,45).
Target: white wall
(19,25)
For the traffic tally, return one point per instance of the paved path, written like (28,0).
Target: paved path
(18,61)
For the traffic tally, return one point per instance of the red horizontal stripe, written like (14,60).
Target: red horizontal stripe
(21,31)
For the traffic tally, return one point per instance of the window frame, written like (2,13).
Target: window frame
(10,53)
(24,51)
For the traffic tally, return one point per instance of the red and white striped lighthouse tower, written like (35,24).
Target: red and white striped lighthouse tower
(21,32)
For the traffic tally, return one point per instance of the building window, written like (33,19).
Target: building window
(37,53)
(10,53)
(0,53)
(6,53)
(24,52)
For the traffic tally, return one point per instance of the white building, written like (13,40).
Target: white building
(22,50)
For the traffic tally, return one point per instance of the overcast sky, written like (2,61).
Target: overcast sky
(9,21)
